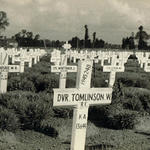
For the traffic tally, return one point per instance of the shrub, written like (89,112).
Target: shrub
(47,129)
(33,109)
(134,80)
(145,100)
(45,83)
(113,116)
(133,104)
(14,83)
(30,108)
(118,93)
(31,114)
(27,85)
(45,58)
(123,120)
(8,120)
(137,99)
(142,83)
(63,112)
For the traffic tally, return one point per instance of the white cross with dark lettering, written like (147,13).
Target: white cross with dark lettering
(63,68)
(4,69)
(81,98)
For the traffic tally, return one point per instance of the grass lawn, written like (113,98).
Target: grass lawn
(119,139)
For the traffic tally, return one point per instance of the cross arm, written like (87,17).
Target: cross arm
(74,97)
(9,68)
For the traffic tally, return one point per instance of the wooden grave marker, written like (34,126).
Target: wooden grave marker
(81,98)
(113,68)
(22,58)
(4,70)
(56,57)
(63,68)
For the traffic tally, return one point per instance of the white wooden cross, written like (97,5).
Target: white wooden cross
(66,46)
(40,53)
(4,69)
(75,56)
(22,58)
(147,63)
(113,68)
(144,60)
(26,58)
(32,54)
(81,98)
(55,57)
(12,52)
(63,68)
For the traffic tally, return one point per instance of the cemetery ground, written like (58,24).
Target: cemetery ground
(28,120)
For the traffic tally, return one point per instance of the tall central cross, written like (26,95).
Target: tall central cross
(81,98)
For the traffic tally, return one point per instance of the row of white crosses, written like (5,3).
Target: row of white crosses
(80,97)
(144,60)
(115,58)
(120,58)
(83,95)
(5,68)
(116,64)
(25,55)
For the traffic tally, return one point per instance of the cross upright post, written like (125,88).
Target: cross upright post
(4,69)
(113,68)
(80,113)
(63,68)
(81,98)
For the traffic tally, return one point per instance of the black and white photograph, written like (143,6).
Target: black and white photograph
(74,75)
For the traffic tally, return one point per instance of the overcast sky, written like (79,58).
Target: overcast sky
(62,19)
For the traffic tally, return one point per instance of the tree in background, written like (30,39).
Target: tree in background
(86,37)
(142,38)
(36,40)
(94,38)
(123,43)
(75,41)
(27,39)
(3,24)
(131,42)
(128,42)
(3,21)
(99,43)
(24,32)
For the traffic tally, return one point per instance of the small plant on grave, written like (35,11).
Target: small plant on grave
(27,85)
(145,100)
(137,99)
(8,119)
(46,128)
(30,108)
(134,80)
(32,112)
(133,104)
(14,83)
(63,112)
(113,116)
(125,120)
(118,94)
